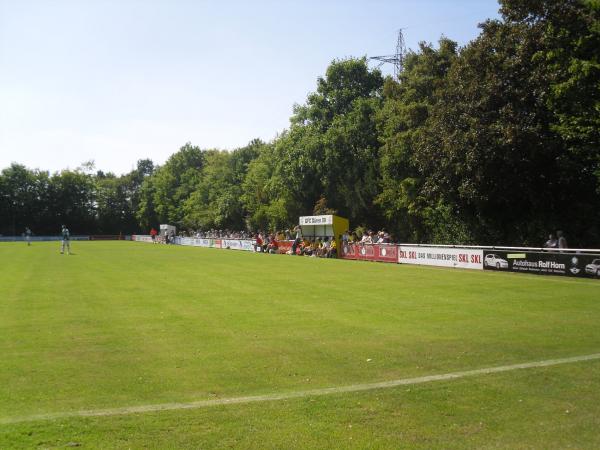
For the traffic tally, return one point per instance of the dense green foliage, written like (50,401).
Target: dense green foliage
(122,324)
(495,142)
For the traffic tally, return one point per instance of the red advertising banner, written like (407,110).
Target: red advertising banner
(365,252)
(284,246)
(386,253)
(370,252)
(348,251)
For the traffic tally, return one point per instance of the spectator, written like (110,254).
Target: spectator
(272,245)
(259,243)
(345,237)
(332,250)
(562,241)
(296,245)
(298,231)
(307,248)
(551,242)
(325,248)
(366,238)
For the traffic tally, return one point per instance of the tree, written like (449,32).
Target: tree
(492,158)
(172,184)
(23,200)
(402,126)
(215,202)
(72,200)
(331,148)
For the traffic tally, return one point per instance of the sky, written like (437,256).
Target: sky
(118,81)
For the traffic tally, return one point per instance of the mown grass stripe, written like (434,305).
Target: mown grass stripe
(296,394)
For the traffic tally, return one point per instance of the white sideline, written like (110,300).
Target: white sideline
(291,395)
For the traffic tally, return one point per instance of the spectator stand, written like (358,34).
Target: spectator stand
(328,226)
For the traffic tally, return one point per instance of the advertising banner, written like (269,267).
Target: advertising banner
(464,258)
(141,238)
(195,242)
(365,252)
(543,263)
(238,244)
(248,245)
(386,253)
(348,251)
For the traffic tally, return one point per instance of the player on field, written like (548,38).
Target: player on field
(28,236)
(66,240)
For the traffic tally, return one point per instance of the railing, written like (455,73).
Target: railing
(526,249)
(533,260)
(41,238)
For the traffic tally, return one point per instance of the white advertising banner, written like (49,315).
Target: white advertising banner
(248,245)
(185,241)
(238,244)
(234,244)
(464,258)
(195,242)
(141,238)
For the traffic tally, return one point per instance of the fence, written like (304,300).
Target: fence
(41,238)
(94,237)
(542,261)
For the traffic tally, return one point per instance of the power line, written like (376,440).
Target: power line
(396,59)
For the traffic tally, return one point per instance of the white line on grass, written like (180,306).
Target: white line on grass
(292,395)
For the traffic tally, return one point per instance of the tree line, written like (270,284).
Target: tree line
(496,142)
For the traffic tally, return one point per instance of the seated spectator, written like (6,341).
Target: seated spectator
(317,247)
(366,238)
(325,248)
(332,253)
(307,248)
(272,245)
(266,242)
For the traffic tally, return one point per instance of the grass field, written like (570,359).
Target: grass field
(123,324)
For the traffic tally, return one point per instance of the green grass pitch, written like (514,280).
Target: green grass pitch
(122,324)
